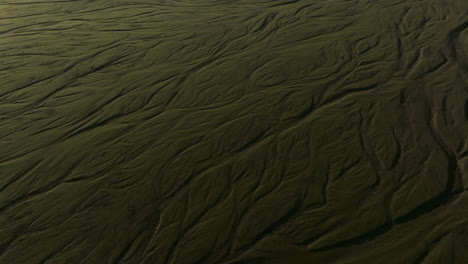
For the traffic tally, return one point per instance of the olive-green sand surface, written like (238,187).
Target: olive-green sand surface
(233,132)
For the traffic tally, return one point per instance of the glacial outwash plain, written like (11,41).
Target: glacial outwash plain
(233,132)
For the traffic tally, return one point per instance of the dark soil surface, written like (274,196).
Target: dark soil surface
(233,132)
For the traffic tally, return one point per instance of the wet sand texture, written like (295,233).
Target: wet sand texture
(233,132)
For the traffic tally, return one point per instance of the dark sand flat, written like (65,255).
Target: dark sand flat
(234,132)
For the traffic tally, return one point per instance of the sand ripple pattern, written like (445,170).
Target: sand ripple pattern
(233,131)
